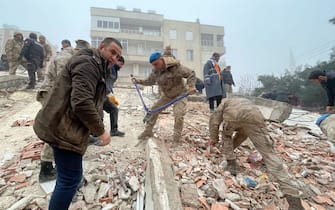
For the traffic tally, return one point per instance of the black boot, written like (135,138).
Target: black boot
(294,203)
(117,133)
(231,167)
(47,172)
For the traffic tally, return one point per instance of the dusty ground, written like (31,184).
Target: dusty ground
(121,155)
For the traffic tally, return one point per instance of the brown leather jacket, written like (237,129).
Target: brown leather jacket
(72,108)
(170,79)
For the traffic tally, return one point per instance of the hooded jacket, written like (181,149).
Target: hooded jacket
(72,109)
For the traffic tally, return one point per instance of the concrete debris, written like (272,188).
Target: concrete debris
(306,156)
(103,188)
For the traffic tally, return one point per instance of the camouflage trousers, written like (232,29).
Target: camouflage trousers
(228,88)
(328,128)
(179,111)
(13,67)
(47,153)
(41,72)
(264,145)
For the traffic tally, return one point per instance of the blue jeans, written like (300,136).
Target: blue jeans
(69,174)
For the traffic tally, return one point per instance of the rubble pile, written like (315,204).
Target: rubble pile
(204,183)
(112,180)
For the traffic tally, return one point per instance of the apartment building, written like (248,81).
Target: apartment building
(141,33)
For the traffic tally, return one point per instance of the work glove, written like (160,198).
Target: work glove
(112,99)
(192,91)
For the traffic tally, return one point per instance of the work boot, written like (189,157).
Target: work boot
(117,133)
(47,172)
(294,203)
(231,167)
(93,140)
(28,87)
(145,135)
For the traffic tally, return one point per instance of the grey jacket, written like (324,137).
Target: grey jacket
(214,86)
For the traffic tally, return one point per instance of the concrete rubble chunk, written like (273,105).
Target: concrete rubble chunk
(134,183)
(103,190)
(124,194)
(189,195)
(89,192)
(220,187)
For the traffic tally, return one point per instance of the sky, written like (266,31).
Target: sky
(260,35)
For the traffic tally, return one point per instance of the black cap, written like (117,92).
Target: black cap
(33,36)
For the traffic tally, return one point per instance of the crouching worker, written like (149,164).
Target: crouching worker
(327,125)
(241,116)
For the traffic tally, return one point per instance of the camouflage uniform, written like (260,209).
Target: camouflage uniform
(327,126)
(241,116)
(57,64)
(81,44)
(170,82)
(47,56)
(13,50)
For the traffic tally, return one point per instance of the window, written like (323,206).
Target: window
(174,52)
(96,41)
(219,40)
(189,55)
(106,23)
(99,24)
(207,39)
(189,35)
(124,44)
(173,34)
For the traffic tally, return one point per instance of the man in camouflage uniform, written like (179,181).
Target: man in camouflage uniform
(47,56)
(168,73)
(241,116)
(13,49)
(81,44)
(47,171)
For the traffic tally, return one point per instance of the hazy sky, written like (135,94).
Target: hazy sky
(259,34)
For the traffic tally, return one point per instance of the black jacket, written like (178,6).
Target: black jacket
(329,86)
(227,77)
(33,52)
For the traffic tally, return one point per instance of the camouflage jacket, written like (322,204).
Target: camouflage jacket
(13,49)
(56,65)
(47,51)
(237,112)
(170,79)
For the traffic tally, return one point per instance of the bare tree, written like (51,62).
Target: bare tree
(247,83)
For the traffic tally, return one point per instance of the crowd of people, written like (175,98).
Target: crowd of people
(78,86)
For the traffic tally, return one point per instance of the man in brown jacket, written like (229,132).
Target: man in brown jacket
(168,73)
(241,117)
(71,113)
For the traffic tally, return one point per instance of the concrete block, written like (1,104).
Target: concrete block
(161,189)
(8,81)
(272,110)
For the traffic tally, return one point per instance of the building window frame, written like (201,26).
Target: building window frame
(173,34)
(189,35)
(189,55)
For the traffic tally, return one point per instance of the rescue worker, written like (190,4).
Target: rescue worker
(81,44)
(110,103)
(33,52)
(47,56)
(47,171)
(71,112)
(168,73)
(213,81)
(241,116)
(327,125)
(13,49)
(327,81)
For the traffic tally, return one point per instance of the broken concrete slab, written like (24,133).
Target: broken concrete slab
(161,188)
(8,81)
